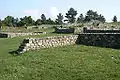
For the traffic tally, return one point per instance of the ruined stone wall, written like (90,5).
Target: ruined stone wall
(64,30)
(38,43)
(109,40)
(85,30)
(11,35)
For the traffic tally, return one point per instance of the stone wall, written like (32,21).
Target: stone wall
(64,30)
(85,30)
(38,43)
(42,26)
(108,40)
(11,35)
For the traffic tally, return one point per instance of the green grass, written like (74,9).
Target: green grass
(23,29)
(115,24)
(75,62)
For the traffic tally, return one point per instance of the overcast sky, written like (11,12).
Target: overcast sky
(34,8)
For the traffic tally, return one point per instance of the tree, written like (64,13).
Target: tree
(80,19)
(101,18)
(26,21)
(50,21)
(0,24)
(30,21)
(114,19)
(92,15)
(9,21)
(15,22)
(70,15)
(60,18)
(43,19)
(38,22)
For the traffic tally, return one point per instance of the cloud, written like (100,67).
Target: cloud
(54,12)
(35,13)
(32,12)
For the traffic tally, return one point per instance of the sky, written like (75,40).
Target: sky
(34,8)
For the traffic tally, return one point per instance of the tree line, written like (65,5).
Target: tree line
(70,17)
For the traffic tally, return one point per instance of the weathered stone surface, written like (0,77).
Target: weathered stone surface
(109,40)
(38,43)
(85,30)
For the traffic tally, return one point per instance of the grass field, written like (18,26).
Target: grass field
(75,62)
(23,29)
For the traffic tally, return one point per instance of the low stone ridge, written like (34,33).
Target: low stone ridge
(11,35)
(64,30)
(38,43)
(85,30)
(42,26)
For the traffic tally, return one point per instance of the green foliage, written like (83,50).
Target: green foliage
(91,15)
(26,21)
(43,19)
(114,19)
(9,21)
(50,21)
(0,23)
(38,22)
(16,22)
(60,18)
(70,15)
(80,19)
(101,18)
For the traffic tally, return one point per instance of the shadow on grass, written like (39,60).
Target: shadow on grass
(117,47)
(15,53)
